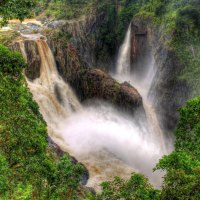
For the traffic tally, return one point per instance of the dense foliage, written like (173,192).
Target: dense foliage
(181,26)
(16,9)
(137,187)
(182,180)
(28,168)
(63,9)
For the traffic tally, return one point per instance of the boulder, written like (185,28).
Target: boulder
(97,84)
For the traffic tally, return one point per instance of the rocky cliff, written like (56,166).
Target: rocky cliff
(167,93)
(31,54)
(84,35)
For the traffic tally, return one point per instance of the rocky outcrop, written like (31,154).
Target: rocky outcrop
(33,59)
(94,83)
(32,56)
(59,153)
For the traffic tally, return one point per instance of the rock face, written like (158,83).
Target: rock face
(31,53)
(140,48)
(34,61)
(94,83)
(84,37)
(168,93)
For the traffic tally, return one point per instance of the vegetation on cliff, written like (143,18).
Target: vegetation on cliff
(181,32)
(66,9)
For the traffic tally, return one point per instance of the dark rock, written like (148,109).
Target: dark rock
(84,33)
(56,149)
(32,56)
(168,92)
(95,83)
(33,59)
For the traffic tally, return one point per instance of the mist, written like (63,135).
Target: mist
(108,142)
(101,130)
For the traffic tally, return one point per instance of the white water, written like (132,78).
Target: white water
(108,143)
(143,84)
(123,61)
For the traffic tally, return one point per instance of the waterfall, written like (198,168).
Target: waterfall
(143,84)
(107,142)
(123,61)
(54,96)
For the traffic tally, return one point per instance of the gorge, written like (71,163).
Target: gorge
(96,134)
(91,97)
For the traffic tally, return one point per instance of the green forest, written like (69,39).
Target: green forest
(30,168)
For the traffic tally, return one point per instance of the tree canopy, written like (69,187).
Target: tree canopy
(16,9)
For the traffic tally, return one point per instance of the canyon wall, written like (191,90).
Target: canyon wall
(167,93)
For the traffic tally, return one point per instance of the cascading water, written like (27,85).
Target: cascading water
(107,142)
(123,61)
(143,84)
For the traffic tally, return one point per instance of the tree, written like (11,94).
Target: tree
(16,9)
(137,187)
(182,180)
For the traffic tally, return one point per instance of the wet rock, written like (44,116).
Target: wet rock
(57,150)
(128,97)
(31,54)
(33,59)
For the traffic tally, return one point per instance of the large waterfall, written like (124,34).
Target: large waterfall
(106,141)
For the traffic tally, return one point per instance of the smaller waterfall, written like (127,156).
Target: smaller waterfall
(123,61)
(142,82)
